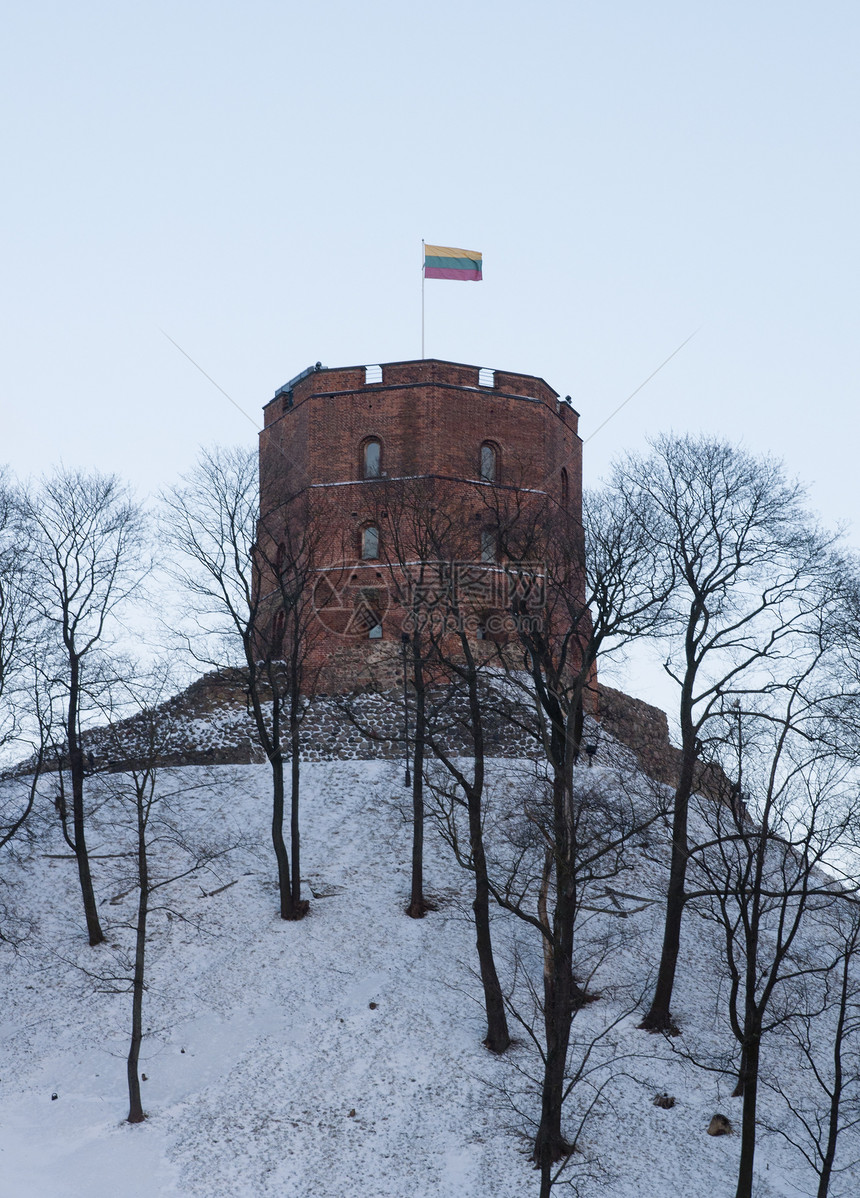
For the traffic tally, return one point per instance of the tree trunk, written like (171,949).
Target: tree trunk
(281,856)
(659,1018)
(295,835)
(742,1074)
(300,906)
(578,724)
(76,768)
(270,741)
(748,1118)
(832,1136)
(545,1178)
(497,1038)
(135,1109)
(417,908)
(838,1081)
(550,1144)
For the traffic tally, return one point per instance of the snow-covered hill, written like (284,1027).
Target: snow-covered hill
(338,1057)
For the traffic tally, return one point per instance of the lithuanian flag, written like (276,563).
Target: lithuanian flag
(443,262)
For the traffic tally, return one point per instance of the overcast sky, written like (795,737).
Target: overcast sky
(254,180)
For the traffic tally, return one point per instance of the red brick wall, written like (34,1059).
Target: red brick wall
(431,418)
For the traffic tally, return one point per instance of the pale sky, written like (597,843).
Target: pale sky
(255,180)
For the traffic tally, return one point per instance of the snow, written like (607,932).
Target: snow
(263,1040)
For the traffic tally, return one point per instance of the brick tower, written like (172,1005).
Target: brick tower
(350,443)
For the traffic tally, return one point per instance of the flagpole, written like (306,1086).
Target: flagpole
(423,260)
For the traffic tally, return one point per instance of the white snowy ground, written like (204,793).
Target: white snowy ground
(264,1042)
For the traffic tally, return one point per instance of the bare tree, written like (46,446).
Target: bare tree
(766,869)
(249,583)
(467,791)
(414,527)
(428,531)
(35,732)
(740,556)
(26,714)
(607,809)
(90,557)
(17,649)
(827,1104)
(142,806)
(20,788)
(17,612)
(285,564)
(575,594)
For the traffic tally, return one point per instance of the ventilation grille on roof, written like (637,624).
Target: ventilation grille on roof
(373,374)
(486,377)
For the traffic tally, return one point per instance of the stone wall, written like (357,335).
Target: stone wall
(645,730)
(642,728)
(210,723)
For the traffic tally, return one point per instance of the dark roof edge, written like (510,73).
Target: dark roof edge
(318,369)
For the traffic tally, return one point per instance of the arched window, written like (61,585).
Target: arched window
(565,489)
(367,617)
(370,543)
(489,463)
(371,458)
(280,555)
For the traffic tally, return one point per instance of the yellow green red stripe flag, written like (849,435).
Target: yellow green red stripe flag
(445,262)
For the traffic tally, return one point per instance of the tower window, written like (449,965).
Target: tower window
(489,463)
(367,617)
(371,458)
(370,543)
(564,488)
(488,545)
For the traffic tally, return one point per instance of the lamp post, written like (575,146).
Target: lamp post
(404,641)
